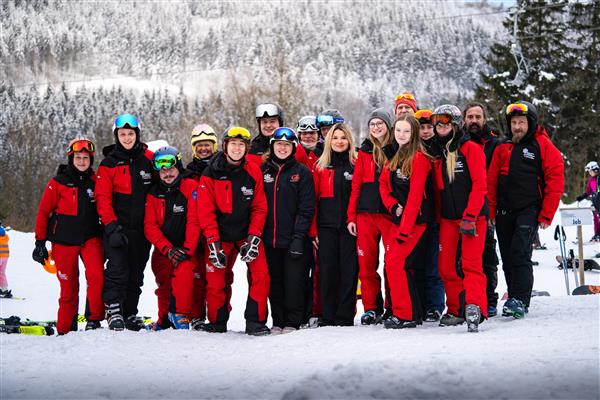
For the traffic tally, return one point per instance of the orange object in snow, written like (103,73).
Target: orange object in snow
(49,264)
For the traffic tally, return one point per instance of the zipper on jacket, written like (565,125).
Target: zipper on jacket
(275,190)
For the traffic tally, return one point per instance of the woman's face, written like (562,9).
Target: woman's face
(81,161)
(402,132)
(339,142)
(126,137)
(443,130)
(593,173)
(282,149)
(377,128)
(426,131)
(268,125)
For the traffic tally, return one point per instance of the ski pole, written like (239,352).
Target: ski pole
(561,243)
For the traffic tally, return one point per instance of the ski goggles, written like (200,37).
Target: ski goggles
(237,132)
(406,96)
(307,124)
(267,110)
(424,116)
(285,134)
(82,145)
(517,108)
(328,120)
(203,130)
(126,119)
(164,161)
(444,119)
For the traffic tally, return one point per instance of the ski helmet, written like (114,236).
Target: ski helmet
(268,110)
(81,144)
(308,123)
(329,117)
(592,166)
(447,113)
(424,116)
(236,132)
(284,134)
(203,132)
(129,121)
(525,108)
(167,157)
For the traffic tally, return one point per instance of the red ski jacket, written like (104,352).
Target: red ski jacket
(231,201)
(124,178)
(414,193)
(526,174)
(171,216)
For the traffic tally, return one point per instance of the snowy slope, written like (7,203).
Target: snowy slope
(552,353)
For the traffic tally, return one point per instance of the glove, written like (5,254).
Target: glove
(581,197)
(216,255)
(177,255)
(297,248)
(249,250)
(40,254)
(116,237)
(467,227)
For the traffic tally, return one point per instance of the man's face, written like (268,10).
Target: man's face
(426,131)
(403,110)
(203,149)
(474,119)
(268,125)
(126,137)
(309,139)
(236,149)
(168,175)
(518,127)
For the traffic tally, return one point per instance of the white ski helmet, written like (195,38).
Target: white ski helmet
(592,166)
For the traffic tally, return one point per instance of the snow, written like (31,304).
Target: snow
(552,353)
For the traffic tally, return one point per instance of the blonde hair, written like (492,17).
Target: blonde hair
(325,159)
(379,157)
(404,156)
(451,156)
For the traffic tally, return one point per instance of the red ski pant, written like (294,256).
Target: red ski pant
(371,228)
(175,285)
(405,297)
(219,281)
(67,265)
(463,279)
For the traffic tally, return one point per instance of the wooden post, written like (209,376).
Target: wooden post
(581,259)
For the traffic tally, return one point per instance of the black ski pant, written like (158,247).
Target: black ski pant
(516,231)
(288,286)
(490,267)
(310,261)
(423,265)
(338,263)
(124,273)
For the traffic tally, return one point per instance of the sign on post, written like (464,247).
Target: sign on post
(578,217)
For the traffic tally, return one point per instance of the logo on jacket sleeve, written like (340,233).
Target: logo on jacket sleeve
(528,155)
(459,166)
(146,177)
(296,178)
(90,194)
(178,209)
(347,176)
(267,178)
(247,191)
(194,194)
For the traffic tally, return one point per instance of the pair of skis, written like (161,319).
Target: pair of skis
(14,324)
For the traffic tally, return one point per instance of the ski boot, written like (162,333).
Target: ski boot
(514,308)
(196,324)
(394,322)
(432,315)
(287,329)
(492,311)
(134,323)
(386,314)
(92,325)
(6,294)
(257,329)
(451,320)
(114,317)
(276,330)
(213,328)
(370,318)
(473,317)
(179,321)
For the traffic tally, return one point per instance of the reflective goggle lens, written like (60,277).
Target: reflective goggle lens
(423,116)
(238,132)
(328,120)
(82,145)
(307,127)
(267,110)
(441,119)
(517,108)
(284,134)
(164,161)
(126,119)
(405,96)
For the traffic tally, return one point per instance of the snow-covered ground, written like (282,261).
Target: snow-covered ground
(552,353)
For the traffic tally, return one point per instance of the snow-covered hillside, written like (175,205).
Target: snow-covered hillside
(552,353)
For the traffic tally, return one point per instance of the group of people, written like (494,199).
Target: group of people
(306,209)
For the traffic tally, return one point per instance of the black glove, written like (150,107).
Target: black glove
(581,197)
(216,255)
(467,227)
(177,255)
(116,236)
(297,248)
(249,250)
(40,254)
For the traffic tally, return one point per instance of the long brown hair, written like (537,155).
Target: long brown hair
(404,156)
(325,159)
(379,157)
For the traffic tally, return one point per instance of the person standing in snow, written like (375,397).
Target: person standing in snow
(232,209)
(5,293)
(406,189)
(405,104)
(337,256)
(269,116)
(525,182)
(592,189)
(480,133)
(460,180)
(67,217)
(124,178)
(327,119)
(310,139)
(204,143)
(171,225)
(368,218)
(290,195)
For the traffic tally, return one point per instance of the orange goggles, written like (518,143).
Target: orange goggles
(82,145)
(517,108)
(405,96)
(441,119)
(424,116)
